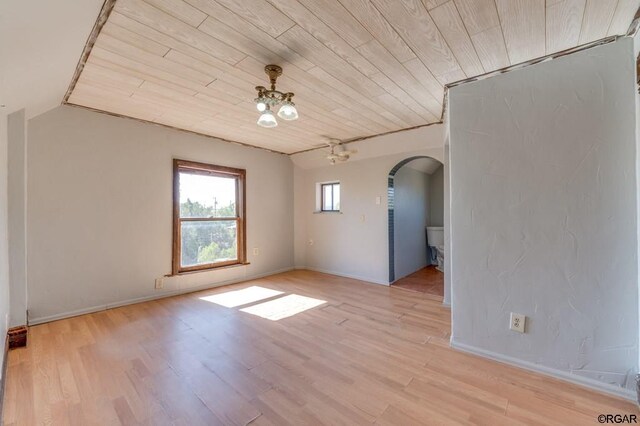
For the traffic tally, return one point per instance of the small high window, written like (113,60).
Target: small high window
(209,216)
(330,197)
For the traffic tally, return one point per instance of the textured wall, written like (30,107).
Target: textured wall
(361,250)
(543,216)
(40,43)
(436,197)
(100,210)
(636,53)
(16,181)
(343,243)
(411,214)
(4,242)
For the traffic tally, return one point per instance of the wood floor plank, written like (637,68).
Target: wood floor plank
(331,43)
(146,14)
(367,14)
(414,24)
(564,21)
(623,16)
(598,15)
(449,22)
(367,354)
(223,14)
(523,26)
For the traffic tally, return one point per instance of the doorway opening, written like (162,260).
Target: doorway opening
(415,193)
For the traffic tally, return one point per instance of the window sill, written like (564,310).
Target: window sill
(211,269)
(327,212)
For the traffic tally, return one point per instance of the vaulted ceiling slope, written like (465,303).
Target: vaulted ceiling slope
(40,42)
(357,67)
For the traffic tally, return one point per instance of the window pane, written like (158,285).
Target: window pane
(207,196)
(208,242)
(336,196)
(326,197)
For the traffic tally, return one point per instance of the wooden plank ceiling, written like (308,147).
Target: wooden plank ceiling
(357,67)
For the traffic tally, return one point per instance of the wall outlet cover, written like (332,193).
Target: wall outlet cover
(256,251)
(159,283)
(517,322)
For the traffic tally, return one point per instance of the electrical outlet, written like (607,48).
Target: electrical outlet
(159,283)
(363,218)
(256,251)
(378,200)
(518,322)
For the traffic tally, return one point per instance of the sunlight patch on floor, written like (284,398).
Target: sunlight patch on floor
(283,307)
(231,299)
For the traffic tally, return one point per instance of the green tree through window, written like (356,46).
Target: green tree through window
(207,243)
(209,224)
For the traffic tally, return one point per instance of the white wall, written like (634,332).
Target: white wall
(100,210)
(411,214)
(301,215)
(40,45)
(543,216)
(436,197)
(342,243)
(636,53)
(447,212)
(17,204)
(4,241)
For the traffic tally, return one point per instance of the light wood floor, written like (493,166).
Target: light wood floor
(370,354)
(426,280)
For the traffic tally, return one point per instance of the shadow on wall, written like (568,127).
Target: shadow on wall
(415,192)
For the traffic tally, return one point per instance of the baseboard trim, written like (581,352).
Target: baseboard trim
(547,371)
(126,302)
(341,274)
(3,379)
(18,336)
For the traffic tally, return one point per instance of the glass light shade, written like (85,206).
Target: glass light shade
(267,119)
(288,111)
(261,104)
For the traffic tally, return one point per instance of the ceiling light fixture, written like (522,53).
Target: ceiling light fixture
(271,98)
(267,119)
(341,154)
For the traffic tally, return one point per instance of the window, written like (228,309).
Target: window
(208,216)
(330,197)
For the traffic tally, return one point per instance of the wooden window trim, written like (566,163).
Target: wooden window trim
(322,185)
(241,211)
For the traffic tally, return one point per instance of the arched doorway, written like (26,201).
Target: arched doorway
(408,187)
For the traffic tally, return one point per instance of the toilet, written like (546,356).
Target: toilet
(435,240)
